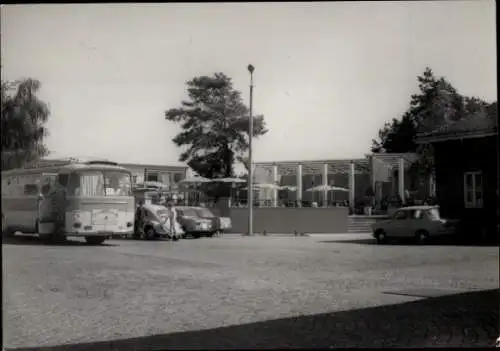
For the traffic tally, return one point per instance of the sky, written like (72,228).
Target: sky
(327,75)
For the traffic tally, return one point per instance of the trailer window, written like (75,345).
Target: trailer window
(473,189)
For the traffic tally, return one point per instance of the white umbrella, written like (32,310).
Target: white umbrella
(229,180)
(319,188)
(288,187)
(195,180)
(338,188)
(264,186)
(327,188)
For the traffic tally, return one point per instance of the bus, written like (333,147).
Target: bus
(92,200)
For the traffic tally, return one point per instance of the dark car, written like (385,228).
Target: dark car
(219,223)
(197,221)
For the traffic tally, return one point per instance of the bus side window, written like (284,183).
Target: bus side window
(30,189)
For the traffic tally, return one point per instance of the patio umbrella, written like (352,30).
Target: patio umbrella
(229,180)
(264,186)
(288,187)
(195,180)
(327,188)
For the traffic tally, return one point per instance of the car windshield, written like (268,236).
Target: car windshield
(161,212)
(187,212)
(204,212)
(98,183)
(433,213)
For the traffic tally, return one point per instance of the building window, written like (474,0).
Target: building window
(473,189)
(152,177)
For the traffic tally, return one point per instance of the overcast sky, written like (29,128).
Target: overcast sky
(327,75)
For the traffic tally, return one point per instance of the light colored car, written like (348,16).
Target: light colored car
(155,224)
(418,222)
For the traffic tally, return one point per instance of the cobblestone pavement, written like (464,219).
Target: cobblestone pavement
(248,292)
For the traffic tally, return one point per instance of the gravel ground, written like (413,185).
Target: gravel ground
(248,292)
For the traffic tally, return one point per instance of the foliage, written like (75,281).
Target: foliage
(24,117)
(214,125)
(437,103)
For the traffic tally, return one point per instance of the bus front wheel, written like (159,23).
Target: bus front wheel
(94,240)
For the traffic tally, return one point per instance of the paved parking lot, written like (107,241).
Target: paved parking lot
(249,292)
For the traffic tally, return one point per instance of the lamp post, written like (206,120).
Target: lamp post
(250,168)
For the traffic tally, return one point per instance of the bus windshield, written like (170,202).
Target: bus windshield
(99,183)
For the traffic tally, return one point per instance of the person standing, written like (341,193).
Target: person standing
(139,219)
(172,219)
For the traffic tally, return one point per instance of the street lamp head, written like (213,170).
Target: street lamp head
(251,68)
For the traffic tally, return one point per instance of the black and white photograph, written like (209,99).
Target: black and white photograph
(250,175)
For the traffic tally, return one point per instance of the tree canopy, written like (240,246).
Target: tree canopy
(437,102)
(214,123)
(23,124)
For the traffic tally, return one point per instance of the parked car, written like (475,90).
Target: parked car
(196,221)
(154,224)
(219,223)
(418,222)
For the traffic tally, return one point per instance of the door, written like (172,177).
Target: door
(399,224)
(45,204)
(414,222)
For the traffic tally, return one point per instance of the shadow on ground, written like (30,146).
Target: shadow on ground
(435,242)
(35,241)
(469,319)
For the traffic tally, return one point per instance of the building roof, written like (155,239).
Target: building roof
(477,125)
(339,166)
(391,160)
(61,161)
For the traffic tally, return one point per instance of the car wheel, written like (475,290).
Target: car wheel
(422,236)
(149,233)
(381,236)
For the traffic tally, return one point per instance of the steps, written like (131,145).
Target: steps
(361,224)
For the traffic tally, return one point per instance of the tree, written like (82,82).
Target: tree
(24,117)
(214,125)
(438,102)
